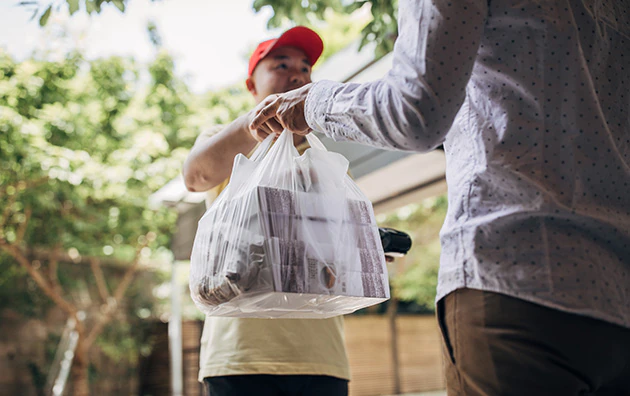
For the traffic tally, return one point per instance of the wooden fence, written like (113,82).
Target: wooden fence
(368,340)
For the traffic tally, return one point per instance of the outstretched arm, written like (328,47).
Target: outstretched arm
(415,104)
(211,158)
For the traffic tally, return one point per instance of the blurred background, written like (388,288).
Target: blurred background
(100,102)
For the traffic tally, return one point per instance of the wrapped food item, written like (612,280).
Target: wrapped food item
(296,238)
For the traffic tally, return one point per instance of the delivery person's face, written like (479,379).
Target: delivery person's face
(284,69)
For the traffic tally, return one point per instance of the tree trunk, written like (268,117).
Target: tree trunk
(80,379)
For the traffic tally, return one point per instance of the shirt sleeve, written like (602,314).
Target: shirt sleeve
(414,105)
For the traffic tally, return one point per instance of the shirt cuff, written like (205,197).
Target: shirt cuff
(317,106)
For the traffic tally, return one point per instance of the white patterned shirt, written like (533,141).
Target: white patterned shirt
(531,99)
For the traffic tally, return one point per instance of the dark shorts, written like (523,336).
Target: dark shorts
(275,385)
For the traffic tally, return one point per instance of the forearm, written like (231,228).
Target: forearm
(414,105)
(210,162)
(376,114)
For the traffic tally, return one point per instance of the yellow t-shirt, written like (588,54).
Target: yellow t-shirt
(238,346)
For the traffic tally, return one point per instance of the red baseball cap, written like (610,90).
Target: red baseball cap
(300,37)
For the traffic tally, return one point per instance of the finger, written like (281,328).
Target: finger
(274,125)
(264,115)
(293,119)
(261,133)
(265,102)
(303,132)
(294,125)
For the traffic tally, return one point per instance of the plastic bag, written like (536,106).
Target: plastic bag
(291,236)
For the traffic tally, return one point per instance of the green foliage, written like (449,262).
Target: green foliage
(83,144)
(415,276)
(81,152)
(19,292)
(382,29)
(339,31)
(44,8)
(296,11)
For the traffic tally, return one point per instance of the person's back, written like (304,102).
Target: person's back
(548,178)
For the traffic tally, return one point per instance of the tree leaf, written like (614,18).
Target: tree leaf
(73,6)
(352,7)
(45,16)
(119,4)
(309,11)
(258,4)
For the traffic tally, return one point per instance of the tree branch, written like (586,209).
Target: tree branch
(129,274)
(17,254)
(46,255)
(53,266)
(101,284)
(22,228)
(7,210)
(117,297)
(23,185)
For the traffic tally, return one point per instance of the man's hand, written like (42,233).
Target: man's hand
(269,126)
(284,111)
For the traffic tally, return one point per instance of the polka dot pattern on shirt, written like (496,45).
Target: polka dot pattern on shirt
(530,98)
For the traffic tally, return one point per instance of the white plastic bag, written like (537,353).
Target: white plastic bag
(291,236)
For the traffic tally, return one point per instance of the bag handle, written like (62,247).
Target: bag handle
(314,142)
(263,148)
(266,144)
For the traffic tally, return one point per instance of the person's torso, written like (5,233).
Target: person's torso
(237,346)
(539,161)
(232,346)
